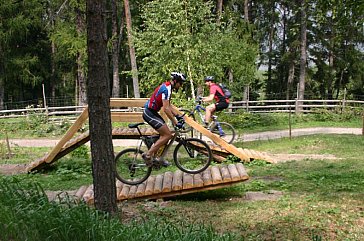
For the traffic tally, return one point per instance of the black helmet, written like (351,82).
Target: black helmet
(209,78)
(179,77)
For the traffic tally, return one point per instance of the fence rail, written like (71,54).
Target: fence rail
(264,106)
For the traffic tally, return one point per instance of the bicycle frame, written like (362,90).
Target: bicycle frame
(167,147)
(199,109)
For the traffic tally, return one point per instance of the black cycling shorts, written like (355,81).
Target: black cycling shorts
(153,118)
(221,106)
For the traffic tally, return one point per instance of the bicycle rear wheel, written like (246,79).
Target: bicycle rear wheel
(130,167)
(192,155)
(227,131)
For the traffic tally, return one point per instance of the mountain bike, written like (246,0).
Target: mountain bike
(223,129)
(190,155)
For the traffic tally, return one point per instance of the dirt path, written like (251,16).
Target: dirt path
(10,169)
(267,135)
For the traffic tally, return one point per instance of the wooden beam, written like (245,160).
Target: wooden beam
(69,134)
(127,102)
(126,117)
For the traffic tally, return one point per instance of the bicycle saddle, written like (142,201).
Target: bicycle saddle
(135,125)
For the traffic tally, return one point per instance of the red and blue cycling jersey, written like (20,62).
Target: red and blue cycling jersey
(162,92)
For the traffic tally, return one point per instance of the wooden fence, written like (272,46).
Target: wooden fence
(263,106)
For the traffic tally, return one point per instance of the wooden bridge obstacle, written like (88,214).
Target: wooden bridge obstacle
(176,183)
(71,140)
(162,185)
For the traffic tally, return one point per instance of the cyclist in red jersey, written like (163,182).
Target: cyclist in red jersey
(217,94)
(160,99)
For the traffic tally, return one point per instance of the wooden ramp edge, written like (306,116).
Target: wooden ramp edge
(176,183)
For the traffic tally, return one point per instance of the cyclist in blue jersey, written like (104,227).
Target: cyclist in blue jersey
(160,99)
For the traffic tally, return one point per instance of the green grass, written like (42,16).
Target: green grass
(322,199)
(26,214)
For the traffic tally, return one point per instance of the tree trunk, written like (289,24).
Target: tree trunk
(270,47)
(81,79)
(246,10)
(219,10)
(2,85)
(246,17)
(115,51)
(303,57)
(290,79)
(98,89)
(134,69)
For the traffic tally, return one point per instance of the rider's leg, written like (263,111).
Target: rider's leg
(209,112)
(165,136)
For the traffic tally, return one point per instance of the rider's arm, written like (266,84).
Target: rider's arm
(208,98)
(169,112)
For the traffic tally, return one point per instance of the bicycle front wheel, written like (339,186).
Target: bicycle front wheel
(227,131)
(192,155)
(130,167)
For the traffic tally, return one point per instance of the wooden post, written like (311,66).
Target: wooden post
(289,123)
(44,100)
(362,130)
(7,145)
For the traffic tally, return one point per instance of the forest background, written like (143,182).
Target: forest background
(263,49)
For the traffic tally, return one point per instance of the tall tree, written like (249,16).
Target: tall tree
(115,50)
(303,56)
(134,69)
(98,89)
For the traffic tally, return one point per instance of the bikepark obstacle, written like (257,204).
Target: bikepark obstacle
(126,110)
(171,184)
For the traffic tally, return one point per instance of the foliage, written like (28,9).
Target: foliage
(183,36)
(27,214)
(24,50)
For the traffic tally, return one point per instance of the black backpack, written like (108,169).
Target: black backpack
(227,92)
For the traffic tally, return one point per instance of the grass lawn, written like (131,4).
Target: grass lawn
(319,199)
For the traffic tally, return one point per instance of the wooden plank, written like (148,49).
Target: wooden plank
(225,173)
(124,192)
(193,190)
(71,131)
(177,180)
(119,187)
(140,190)
(247,152)
(206,177)
(150,185)
(197,180)
(215,138)
(126,117)
(187,180)
(233,172)
(158,183)
(81,191)
(127,102)
(89,194)
(132,191)
(242,172)
(216,175)
(167,182)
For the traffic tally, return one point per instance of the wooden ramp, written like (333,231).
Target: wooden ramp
(176,183)
(117,133)
(70,141)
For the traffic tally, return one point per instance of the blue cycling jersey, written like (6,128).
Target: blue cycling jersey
(162,92)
